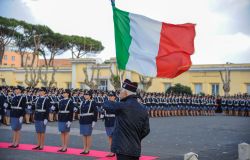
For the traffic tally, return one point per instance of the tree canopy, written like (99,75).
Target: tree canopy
(40,39)
(179,89)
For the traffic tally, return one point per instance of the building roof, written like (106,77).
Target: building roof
(57,62)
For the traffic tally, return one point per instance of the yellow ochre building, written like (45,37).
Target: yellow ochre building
(201,78)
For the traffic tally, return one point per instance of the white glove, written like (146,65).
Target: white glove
(75,109)
(45,121)
(21,119)
(29,106)
(102,116)
(93,124)
(53,108)
(68,124)
(5,105)
(0,117)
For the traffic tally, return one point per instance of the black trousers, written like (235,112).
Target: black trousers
(125,157)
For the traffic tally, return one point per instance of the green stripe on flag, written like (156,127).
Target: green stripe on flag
(122,36)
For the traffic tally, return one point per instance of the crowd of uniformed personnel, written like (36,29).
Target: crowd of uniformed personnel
(237,105)
(157,104)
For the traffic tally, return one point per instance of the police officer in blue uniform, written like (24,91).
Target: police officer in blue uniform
(65,117)
(42,106)
(54,100)
(88,117)
(99,101)
(248,106)
(242,108)
(76,102)
(17,112)
(223,105)
(109,120)
(2,99)
(28,108)
(8,97)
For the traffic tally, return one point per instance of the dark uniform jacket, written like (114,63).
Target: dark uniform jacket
(54,101)
(29,99)
(88,112)
(131,126)
(42,106)
(18,105)
(109,116)
(65,111)
(2,101)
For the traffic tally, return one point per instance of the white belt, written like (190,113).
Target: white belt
(15,107)
(40,110)
(53,102)
(109,115)
(63,111)
(86,114)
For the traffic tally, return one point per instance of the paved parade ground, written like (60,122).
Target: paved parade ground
(212,138)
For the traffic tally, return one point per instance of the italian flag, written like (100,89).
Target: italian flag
(152,48)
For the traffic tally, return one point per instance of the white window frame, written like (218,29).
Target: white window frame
(248,88)
(217,89)
(69,85)
(13,58)
(197,90)
(105,86)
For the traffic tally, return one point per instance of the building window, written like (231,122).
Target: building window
(5,57)
(69,85)
(197,88)
(5,64)
(20,83)
(248,88)
(167,86)
(3,82)
(103,85)
(82,85)
(13,58)
(215,89)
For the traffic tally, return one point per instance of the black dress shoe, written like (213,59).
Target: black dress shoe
(60,150)
(85,152)
(40,148)
(37,147)
(11,146)
(110,155)
(14,146)
(64,150)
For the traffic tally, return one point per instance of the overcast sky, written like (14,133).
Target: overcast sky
(222,31)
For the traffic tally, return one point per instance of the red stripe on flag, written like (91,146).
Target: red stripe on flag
(176,46)
(100,155)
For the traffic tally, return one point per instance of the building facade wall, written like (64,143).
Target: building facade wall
(202,75)
(13,59)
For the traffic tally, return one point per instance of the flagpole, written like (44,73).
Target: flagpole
(119,72)
(113,3)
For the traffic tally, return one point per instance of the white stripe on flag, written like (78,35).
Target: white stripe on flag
(144,47)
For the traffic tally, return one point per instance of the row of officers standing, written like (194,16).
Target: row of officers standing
(65,107)
(238,105)
(160,105)
(156,104)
